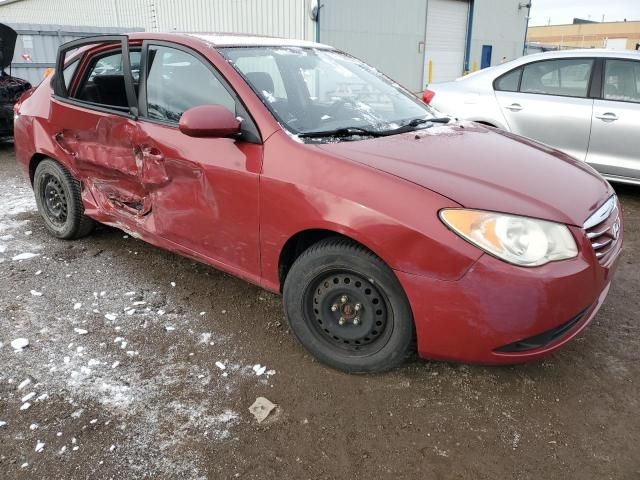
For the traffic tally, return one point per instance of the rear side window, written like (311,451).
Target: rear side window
(103,82)
(566,77)
(178,81)
(622,81)
(509,82)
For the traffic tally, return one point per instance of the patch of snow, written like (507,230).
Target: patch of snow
(28,397)
(24,383)
(19,343)
(80,331)
(25,256)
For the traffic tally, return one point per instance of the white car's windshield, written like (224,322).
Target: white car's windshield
(316,92)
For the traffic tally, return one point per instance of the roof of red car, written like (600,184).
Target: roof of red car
(233,39)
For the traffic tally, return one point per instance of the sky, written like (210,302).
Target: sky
(563,11)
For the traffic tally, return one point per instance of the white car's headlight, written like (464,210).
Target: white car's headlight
(519,240)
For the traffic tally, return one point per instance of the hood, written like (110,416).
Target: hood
(486,169)
(7,45)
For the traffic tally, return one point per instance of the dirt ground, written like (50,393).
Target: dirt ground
(120,378)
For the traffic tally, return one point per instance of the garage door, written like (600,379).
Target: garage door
(446,38)
(386,34)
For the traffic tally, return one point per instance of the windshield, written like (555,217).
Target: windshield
(312,90)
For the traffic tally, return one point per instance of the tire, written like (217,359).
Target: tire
(59,200)
(333,283)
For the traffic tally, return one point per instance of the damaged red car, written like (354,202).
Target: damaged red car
(385,226)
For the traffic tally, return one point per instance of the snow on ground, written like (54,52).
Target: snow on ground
(87,362)
(15,242)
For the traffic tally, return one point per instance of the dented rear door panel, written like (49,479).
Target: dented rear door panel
(101,149)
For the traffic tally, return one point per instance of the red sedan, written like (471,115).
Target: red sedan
(307,172)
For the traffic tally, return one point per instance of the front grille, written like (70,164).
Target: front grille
(603,228)
(543,339)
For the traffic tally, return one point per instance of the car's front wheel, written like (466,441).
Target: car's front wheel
(59,201)
(347,308)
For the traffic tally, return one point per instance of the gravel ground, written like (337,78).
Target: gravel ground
(120,378)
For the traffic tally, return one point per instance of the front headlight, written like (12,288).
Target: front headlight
(519,240)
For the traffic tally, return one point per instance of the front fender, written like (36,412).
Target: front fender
(394,218)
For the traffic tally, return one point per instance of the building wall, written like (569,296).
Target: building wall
(37,47)
(500,23)
(283,18)
(390,34)
(587,35)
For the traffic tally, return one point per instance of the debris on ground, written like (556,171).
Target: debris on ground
(261,408)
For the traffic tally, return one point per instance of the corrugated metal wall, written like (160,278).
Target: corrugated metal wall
(37,47)
(283,18)
(388,37)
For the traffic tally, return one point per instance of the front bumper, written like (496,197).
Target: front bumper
(496,306)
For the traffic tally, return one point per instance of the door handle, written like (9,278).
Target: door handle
(607,117)
(514,107)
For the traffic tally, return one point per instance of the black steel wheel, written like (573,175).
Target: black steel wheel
(59,200)
(347,308)
(350,311)
(55,199)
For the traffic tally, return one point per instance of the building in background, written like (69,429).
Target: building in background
(416,42)
(581,34)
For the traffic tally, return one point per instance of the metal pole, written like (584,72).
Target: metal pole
(526,30)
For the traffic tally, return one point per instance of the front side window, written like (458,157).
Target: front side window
(310,90)
(622,80)
(566,77)
(178,81)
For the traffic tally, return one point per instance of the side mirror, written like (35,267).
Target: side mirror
(214,121)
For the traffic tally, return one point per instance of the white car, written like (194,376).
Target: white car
(585,103)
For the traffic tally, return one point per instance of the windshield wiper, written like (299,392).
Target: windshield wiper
(340,132)
(419,121)
(416,122)
(352,131)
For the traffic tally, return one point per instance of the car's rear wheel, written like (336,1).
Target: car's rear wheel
(347,308)
(59,200)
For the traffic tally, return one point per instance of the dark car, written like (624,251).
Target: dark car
(11,88)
